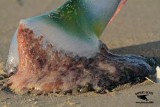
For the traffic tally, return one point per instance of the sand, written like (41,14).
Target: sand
(134,31)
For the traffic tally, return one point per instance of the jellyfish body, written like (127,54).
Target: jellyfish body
(74,27)
(60,50)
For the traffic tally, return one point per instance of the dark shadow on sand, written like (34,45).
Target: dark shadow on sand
(151,49)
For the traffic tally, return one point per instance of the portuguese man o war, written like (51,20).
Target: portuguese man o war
(60,51)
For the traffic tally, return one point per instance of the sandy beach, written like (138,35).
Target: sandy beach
(136,30)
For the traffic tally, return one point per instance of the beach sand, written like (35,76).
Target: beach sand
(136,30)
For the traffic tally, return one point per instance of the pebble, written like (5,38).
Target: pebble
(35,103)
(1,77)
(33,99)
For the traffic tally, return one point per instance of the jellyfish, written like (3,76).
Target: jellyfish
(61,51)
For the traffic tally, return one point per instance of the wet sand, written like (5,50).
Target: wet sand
(134,31)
